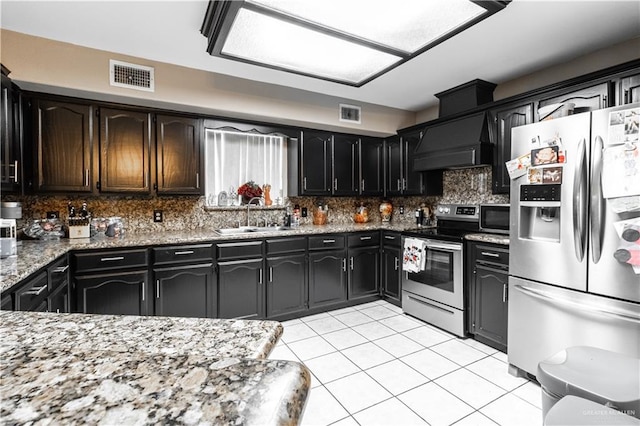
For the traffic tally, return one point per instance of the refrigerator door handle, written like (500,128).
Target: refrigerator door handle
(579,198)
(539,294)
(597,202)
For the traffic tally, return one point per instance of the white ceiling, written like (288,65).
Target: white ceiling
(526,36)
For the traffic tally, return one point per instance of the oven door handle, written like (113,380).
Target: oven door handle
(447,247)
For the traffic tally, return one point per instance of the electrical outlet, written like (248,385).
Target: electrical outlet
(157,215)
(304,212)
(53,215)
(401,210)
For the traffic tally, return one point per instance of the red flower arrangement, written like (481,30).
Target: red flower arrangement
(249,190)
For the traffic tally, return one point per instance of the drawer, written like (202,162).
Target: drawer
(105,260)
(391,239)
(285,245)
(30,296)
(491,254)
(325,242)
(239,250)
(58,273)
(362,239)
(192,253)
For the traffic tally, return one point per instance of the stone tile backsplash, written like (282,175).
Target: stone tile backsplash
(471,186)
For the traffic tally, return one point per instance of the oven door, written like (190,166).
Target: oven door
(441,279)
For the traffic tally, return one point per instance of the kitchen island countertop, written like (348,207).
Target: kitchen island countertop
(77,368)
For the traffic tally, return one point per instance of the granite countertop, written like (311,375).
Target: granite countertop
(35,254)
(78,368)
(489,238)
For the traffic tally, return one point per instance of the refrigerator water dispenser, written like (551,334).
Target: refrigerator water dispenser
(540,212)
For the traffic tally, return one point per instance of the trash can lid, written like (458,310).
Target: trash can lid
(593,373)
(575,411)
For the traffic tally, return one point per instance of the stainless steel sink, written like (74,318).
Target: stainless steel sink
(251,229)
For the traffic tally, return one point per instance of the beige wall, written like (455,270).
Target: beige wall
(42,64)
(611,56)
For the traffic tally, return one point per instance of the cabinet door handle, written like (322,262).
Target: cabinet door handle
(36,291)
(626,96)
(351,263)
(110,259)
(344,265)
(270,274)
(335,184)
(399,185)
(362,185)
(86,177)
(365,238)
(404,184)
(396,263)
(60,269)
(604,101)
(486,253)
(504,293)
(197,180)
(328,241)
(143,291)
(304,183)
(178,253)
(15,171)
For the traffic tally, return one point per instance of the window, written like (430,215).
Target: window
(233,158)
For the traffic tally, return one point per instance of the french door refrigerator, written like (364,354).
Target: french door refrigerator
(574,270)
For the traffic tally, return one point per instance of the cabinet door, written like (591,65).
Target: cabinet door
(124,151)
(590,98)
(124,293)
(286,284)
(10,137)
(371,166)
(187,291)
(344,160)
(364,272)
(178,155)
(58,301)
(629,90)
(391,274)
(64,141)
(490,305)
(393,166)
(327,278)
(315,163)
(506,119)
(412,183)
(240,289)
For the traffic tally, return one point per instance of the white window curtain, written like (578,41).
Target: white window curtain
(234,158)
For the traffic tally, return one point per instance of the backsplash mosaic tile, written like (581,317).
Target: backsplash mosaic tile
(471,186)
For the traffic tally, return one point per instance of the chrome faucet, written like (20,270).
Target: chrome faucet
(249,207)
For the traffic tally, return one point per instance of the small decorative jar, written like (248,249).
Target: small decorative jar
(385,210)
(362,214)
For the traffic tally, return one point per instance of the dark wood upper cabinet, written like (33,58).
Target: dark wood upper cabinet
(589,98)
(371,166)
(12,164)
(178,155)
(503,120)
(124,151)
(393,158)
(413,182)
(629,90)
(315,159)
(63,140)
(344,160)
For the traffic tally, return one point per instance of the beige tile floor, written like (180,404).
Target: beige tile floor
(373,365)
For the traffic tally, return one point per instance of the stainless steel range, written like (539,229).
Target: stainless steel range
(433,291)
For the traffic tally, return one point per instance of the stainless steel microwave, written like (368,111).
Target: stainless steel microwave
(494,218)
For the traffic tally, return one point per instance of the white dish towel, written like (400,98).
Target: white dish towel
(414,255)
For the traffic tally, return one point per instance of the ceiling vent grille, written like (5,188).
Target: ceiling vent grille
(350,113)
(131,76)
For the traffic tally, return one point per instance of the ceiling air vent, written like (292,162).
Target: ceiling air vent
(350,113)
(131,76)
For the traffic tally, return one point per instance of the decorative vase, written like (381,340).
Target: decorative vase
(386,208)
(266,193)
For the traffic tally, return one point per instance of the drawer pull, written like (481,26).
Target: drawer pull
(177,253)
(389,237)
(111,259)
(60,269)
(36,291)
(328,241)
(365,238)
(486,253)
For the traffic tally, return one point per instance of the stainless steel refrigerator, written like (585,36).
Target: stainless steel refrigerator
(574,217)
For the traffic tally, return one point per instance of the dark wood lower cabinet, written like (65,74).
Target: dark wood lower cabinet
(241,289)
(122,293)
(286,285)
(58,301)
(364,272)
(327,278)
(391,274)
(185,291)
